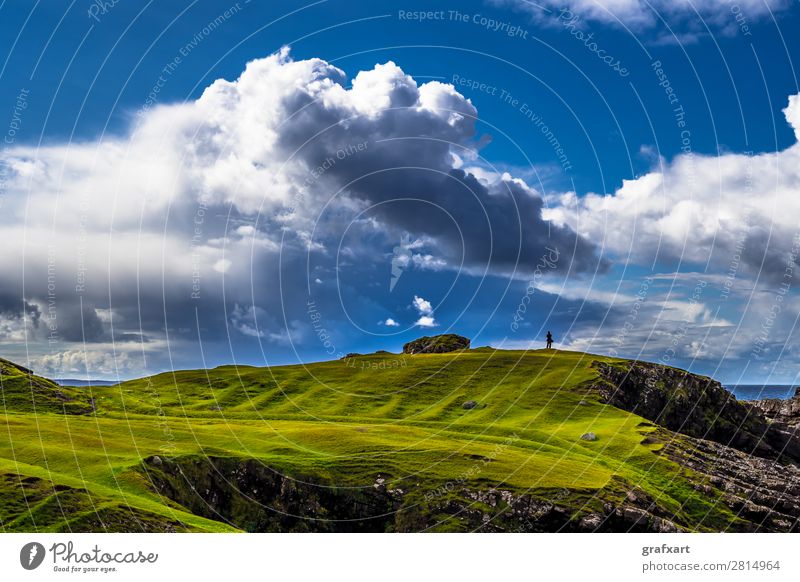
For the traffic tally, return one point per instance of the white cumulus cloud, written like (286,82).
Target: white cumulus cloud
(426,321)
(732,211)
(425,310)
(423,306)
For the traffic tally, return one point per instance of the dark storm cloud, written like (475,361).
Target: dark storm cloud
(407,153)
(12,307)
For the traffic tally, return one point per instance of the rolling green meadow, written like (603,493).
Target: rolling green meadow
(71,459)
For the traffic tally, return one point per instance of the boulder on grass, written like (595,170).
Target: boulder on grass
(438,344)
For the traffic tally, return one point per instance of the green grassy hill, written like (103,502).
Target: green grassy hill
(377,442)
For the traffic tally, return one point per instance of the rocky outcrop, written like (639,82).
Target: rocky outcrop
(249,495)
(438,344)
(693,405)
(783,412)
(497,510)
(762,494)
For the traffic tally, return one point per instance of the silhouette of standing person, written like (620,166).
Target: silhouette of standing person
(549,340)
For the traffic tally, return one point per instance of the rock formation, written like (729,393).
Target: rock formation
(438,344)
(694,405)
(783,412)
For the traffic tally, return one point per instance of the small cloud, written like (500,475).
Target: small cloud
(391,323)
(649,153)
(425,310)
(222,266)
(424,307)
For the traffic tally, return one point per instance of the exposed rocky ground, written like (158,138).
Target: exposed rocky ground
(759,494)
(252,496)
(784,413)
(748,451)
(694,405)
(762,492)
(249,495)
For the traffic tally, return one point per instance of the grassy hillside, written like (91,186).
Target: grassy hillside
(23,391)
(361,424)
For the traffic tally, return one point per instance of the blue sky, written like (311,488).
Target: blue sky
(664,179)
(733,86)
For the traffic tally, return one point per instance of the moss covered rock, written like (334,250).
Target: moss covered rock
(438,344)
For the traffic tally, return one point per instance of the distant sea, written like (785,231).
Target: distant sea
(761,391)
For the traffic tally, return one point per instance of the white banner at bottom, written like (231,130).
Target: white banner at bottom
(396,557)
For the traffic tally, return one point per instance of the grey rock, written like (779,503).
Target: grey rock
(589,436)
(469,405)
(785,414)
(759,490)
(590,522)
(635,516)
